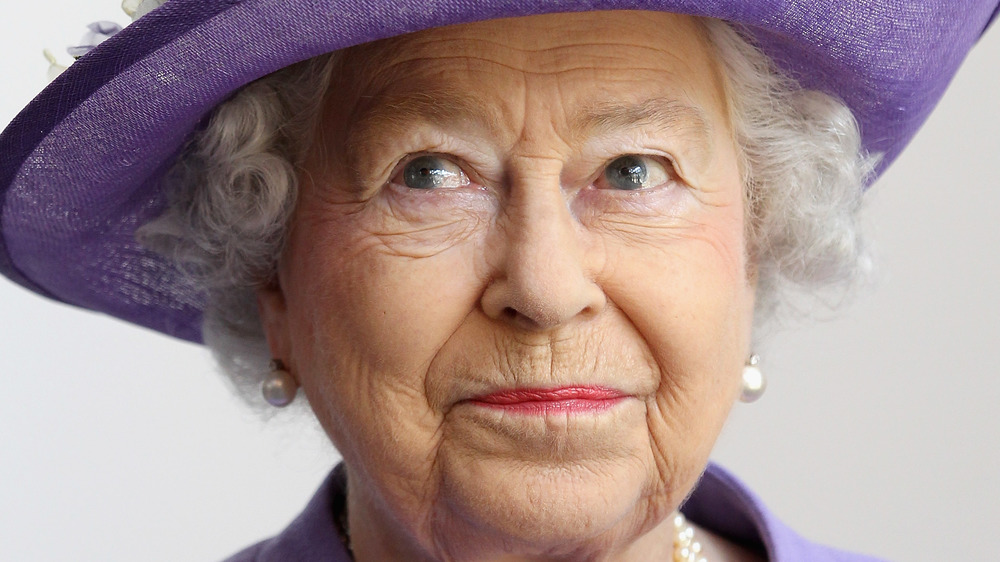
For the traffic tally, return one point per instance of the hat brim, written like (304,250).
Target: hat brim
(81,166)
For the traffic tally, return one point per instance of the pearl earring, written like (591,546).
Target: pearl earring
(754,382)
(279,387)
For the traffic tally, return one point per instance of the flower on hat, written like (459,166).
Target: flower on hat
(97,33)
(55,68)
(138,8)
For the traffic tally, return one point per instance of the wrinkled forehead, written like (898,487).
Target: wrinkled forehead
(622,60)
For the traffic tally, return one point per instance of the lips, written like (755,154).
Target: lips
(541,401)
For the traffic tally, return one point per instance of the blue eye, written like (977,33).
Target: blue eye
(632,172)
(433,172)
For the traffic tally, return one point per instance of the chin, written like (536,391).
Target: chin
(571,511)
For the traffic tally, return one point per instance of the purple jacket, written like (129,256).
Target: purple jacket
(720,503)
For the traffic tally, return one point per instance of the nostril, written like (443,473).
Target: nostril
(518,318)
(534,304)
(590,311)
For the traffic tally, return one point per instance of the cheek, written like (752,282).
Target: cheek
(387,279)
(370,305)
(689,297)
(692,307)
(686,287)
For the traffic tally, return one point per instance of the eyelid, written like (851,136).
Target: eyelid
(667,162)
(423,141)
(395,175)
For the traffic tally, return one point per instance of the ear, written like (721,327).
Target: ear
(274,320)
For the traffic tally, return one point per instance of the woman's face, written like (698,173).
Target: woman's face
(516,289)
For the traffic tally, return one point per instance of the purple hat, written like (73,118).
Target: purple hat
(81,166)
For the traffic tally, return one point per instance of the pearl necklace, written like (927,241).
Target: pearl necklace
(686,549)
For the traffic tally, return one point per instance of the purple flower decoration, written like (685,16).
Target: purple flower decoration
(96,33)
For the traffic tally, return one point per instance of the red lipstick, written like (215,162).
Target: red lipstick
(540,401)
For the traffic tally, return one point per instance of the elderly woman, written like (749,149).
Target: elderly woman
(512,256)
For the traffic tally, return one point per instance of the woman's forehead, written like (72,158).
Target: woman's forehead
(580,68)
(534,35)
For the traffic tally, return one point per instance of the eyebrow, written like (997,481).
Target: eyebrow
(450,108)
(440,107)
(657,113)
(654,111)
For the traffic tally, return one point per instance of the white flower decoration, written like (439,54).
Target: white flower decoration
(55,69)
(138,8)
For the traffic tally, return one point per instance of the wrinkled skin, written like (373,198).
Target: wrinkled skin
(396,306)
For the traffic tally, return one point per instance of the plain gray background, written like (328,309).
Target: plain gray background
(878,432)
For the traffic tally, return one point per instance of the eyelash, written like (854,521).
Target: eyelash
(474,180)
(664,163)
(399,168)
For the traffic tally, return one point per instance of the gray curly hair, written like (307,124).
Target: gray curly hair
(232,193)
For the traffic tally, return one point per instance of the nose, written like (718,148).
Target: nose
(543,278)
